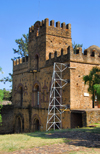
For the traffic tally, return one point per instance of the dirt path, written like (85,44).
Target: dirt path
(80,142)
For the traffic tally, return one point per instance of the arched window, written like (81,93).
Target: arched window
(85,52)
(36,95)
(92,54)
(61,51)
(37,62)
(99,55)
(21,95)
(77,51)
(45,96)
(37,31)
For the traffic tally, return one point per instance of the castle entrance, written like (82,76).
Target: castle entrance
(36,125)
(19,124)
(76,119)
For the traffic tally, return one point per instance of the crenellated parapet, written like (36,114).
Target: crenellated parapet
(90,55)
(20,63)
(45,27)
(62,56)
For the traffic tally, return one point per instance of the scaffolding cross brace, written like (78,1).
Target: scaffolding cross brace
(54,117)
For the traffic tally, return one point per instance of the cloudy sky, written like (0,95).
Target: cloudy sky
(16,16)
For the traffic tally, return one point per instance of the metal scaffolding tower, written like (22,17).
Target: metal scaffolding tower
(54,118)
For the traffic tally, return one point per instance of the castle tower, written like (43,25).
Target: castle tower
(45,39)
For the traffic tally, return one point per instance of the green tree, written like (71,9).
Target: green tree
(21,52)
(92,80)
(22,46)
(7,79)
(1,95)
(75,46)
(1,98)
(97,88)
(7,95)
(1,70)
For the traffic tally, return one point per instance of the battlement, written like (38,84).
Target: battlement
(91,56)
(46,23)
(20,63)
(62,56)
(42,27)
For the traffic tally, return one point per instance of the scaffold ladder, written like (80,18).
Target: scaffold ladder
(54,117)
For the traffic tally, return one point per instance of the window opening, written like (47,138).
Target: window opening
(77,51)
(37,95)
(99,55)
(37,62)
(61,51)
(37,32)
(21,95)
(85,52)
(92,54)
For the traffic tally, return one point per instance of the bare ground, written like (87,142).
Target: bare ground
(79,143)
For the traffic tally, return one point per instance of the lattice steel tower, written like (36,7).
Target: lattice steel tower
(54,118)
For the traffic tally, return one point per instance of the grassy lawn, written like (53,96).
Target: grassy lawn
(13,142)
(90,151)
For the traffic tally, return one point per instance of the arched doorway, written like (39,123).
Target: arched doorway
(36,125)
(19,124)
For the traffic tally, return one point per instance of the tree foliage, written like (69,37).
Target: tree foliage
(1,70)
(7,79)
(75,46)
(1,95)
(22,46)
(97,88)
(1,92)
(1,98)
(21,52)
(7,95)
(93,80)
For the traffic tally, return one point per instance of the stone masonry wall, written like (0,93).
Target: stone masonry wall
(77,87)
(93,116)
(7,113)
(48,44)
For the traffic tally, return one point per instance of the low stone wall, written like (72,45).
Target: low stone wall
(93,116)
(83,118)
(7,113)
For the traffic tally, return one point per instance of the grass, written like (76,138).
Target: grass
(87,151)
(13,142)
(23,141)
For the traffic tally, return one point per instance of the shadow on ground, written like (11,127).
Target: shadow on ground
(82,137)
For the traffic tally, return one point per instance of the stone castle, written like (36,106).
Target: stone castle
(32,79)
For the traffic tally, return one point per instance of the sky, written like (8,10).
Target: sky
(16,16)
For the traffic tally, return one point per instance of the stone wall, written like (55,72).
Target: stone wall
(93,116)
(7,113)
(83,118)
(49,43)
(78,99)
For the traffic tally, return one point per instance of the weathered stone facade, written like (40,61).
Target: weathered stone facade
(32,76)
(7,113)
